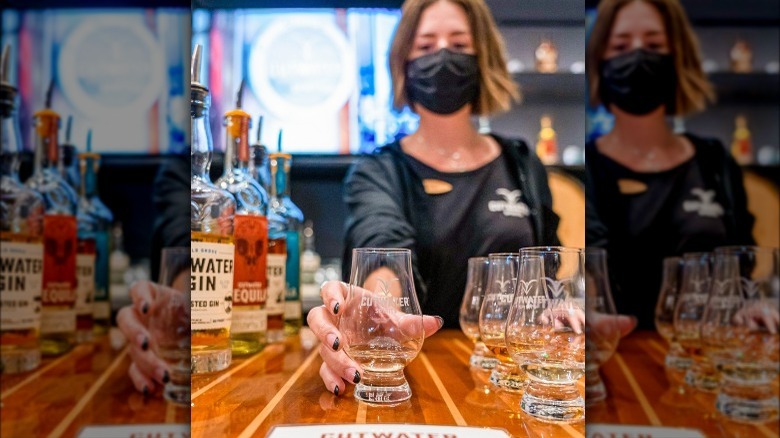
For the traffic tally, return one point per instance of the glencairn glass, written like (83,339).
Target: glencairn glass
(382,323)
(552,394)
(476,280)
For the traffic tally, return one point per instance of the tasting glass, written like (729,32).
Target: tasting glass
(671,282)
(740,332)
(552,394)
(601,332)
(500,291)
(528,305)
(476,280)
(169,322)
(382,323)
(688,314)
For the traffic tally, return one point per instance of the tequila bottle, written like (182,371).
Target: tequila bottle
(94,225)
(250,236)
(211,225)
(58,317)
(21,251)
(292,226)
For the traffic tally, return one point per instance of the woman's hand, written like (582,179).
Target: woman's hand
(337,368)
(146,368)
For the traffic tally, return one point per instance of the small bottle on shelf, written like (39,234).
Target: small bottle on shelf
(741,143)
(547,143)
(250,236)
(741,56)
(21,250)
(211,228)
(546,57)
(58,315)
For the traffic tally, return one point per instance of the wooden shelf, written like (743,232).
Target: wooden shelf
(551,87)
(746,87)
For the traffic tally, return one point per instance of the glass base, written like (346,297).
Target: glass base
(292,326)
(56,344)
(85,336)
(275,335)
(675,362)
(748,404)
(177,394)
(210,361)
(702,380)
(553,403)
(19,361)
(508,377)
(383,395)
(245,344)
(485,363)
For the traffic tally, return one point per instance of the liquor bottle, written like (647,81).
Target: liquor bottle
(94,220)
(741,143)
(118,265)
(546,57)
(211,225)
(292,225)
(250,236)
(547,144)
(741,56)
(310,264)
(258,160)
(69,168)
(58,317)
(21,250)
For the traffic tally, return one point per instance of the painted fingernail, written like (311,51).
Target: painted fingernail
(336,344)
(440,320)
(166,377)
(356,379)
(146,391)
(336,309)
(336,391)
(145,344)
(145,308)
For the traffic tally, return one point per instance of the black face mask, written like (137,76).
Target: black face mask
(638,82)
(443,82)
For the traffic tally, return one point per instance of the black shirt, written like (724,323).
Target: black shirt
(485,212)
(684,209)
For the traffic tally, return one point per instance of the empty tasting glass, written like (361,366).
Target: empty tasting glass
(601,332)
(382,322)
(169,322)
(476,280)
(500,291)
(688,315)
(740,332)
(552,394)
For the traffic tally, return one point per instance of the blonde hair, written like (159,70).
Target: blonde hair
(693,89)
(496,87)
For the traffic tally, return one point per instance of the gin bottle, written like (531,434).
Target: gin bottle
(211,226)
(21,250)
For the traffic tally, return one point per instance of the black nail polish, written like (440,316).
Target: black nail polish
(336,391)
(146,391)
(357,377)
(336,309)
(145,344)
(166,378)
(145,308)
(336,344)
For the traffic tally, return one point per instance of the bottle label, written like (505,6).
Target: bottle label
(85,277)
(21,274)
(250,235)
(292,310)
(59,260)
(101,310)
(249,321)
(293,275)
(276,283)
(101,265)
(55,320)
(211,285)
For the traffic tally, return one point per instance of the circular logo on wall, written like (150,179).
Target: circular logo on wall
(302,66)
(111,67)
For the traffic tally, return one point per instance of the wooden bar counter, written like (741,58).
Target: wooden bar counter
(87,386)
(281,385)
(639,393)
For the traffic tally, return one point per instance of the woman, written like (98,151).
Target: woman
(652,193)
(445,192)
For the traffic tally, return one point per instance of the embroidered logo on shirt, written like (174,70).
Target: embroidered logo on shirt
(704,205)
(511,205)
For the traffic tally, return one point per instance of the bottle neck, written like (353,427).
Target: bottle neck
(11,140)
(47,151)
(237,123)
(89,167)
(280,177)
(201,148)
